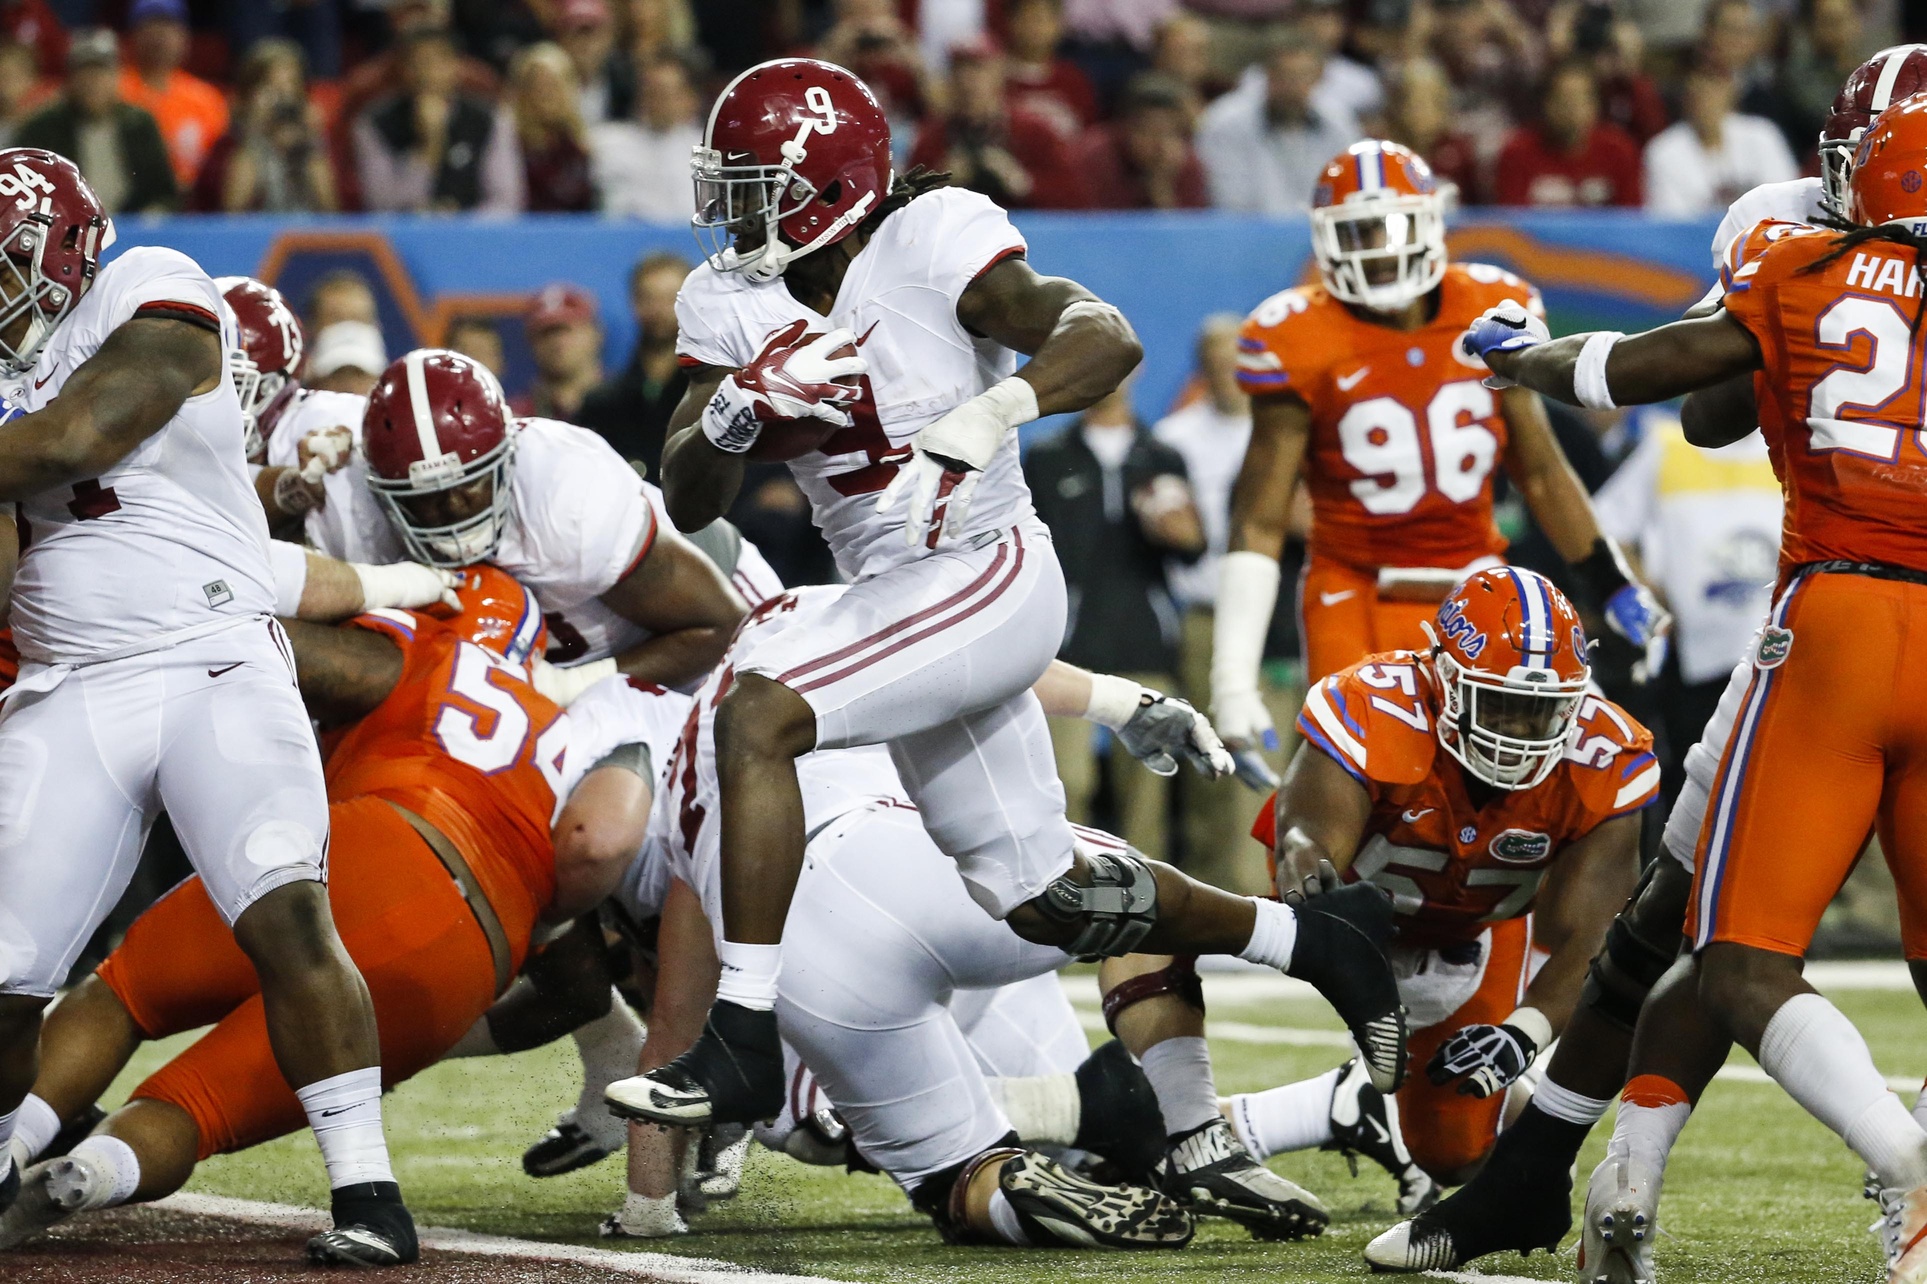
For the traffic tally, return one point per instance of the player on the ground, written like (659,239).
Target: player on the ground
(1824,741)
(957,603)
(1358,387)
(1496,803)
(442,793)
(155,675)
(1522,1198)
(881,935)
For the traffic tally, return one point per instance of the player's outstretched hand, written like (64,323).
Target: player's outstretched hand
(406,585)
(1507,327)
(793,377)
(1245,724)
(1165,729)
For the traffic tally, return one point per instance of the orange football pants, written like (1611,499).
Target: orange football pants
(1342,619)
(403,921)
(1830,745)
(1444,1131)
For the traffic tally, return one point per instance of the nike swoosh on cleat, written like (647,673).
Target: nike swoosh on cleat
(215,673)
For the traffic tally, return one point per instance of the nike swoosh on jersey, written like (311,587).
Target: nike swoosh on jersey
(215,673)
(1347,382)
(1333,599)
(1412,815)
(38,384)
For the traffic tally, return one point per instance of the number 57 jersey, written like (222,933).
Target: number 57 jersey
(1404,435)
(1840,390)
(1451,865)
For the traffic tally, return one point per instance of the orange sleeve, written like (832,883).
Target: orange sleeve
(1284,344)
(1761,259)
(1372,720)
(1615,771)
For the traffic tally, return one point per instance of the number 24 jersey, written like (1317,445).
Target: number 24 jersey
(1450,864)
(1404,435)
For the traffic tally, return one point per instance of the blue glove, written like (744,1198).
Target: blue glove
(1636,615)
(1508,327)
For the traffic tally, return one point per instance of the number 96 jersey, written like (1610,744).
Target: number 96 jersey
(1404,435)
(1450,865)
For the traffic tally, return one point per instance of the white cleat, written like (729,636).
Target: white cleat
(49,1193)
(1621,1219)
(1903,1233)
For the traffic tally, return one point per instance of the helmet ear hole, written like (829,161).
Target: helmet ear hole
(832,193)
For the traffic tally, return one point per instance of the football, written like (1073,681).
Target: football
(783,439)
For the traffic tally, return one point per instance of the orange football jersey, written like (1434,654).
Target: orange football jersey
(1841,394)
(1404,436)
(464,742)
(1450,865)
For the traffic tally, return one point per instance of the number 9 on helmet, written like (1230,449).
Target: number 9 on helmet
(1510,657)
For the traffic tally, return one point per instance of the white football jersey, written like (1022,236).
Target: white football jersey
(349,524)
(170,539)
(684,827)
(899,297)
(616,712)
(1797,201)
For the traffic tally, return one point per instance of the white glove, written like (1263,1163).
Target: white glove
(406,585)
(789,379)
(948,457)
(564,685)
(324,451)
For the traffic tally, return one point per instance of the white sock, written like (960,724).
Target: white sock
(35,1125)
(609,1046)
(1003,1220)
(1652,1110)
(1565,1104)
(1044,1109)
(1814,1052)
(1272,935)
(653,1218)
(6,1140)
(345,1113)
(749,974)
(1297,1116)
(1180,1075)
(110,1170)
(478,1042)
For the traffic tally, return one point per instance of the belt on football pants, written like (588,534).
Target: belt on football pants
(451,859)
(1873,570)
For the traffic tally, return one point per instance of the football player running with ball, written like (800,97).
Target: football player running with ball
(1825,740)
(892,312)
(1359,388)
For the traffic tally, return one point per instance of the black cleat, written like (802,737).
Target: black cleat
(372,1229)
(1364,1121)
(563,1149)
(1056,1206)
(1118,1115)
(73,1132)
(1211,1172)
(732,1074)
(1340,950)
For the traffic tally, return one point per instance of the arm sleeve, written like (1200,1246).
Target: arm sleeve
(1326,723)
(1636,781)
(168,284)
(973,236)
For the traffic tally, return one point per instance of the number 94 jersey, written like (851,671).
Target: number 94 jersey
(1840,389)
(1450,865)
(1404,435)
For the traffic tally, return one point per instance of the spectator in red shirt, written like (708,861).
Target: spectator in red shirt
(1418,113)
(1572,157)
(1144,159)
(192,114)
(1036,79)
(274,155)
(870,39)
(548,122)
(1008,154)
(1593,33)
(33,24)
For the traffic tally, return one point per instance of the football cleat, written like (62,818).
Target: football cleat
(9,1189)
(1056,1206)
(1340,950)
(1902,1229)
(1622,1217)
(372,1229)
(46,1194)
(569,1146)
(719,1161)
(1514,1203)
(1364,1121)
(732,1074)
(73,1132)
(1211,1172)
(1118,1116)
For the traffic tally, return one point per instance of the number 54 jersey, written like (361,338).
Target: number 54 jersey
(1404,435)
(1451,864)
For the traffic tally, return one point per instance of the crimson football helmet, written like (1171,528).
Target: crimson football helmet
(266,358)
(500,615)
(1378,226)
(1510,656)
(440,450)
(1890,76)
(1887,183)
(52,232)
(795,155)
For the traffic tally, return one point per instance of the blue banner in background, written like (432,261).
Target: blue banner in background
(1166,271)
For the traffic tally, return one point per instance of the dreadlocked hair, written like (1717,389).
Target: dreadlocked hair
(904,189)
(1854,235)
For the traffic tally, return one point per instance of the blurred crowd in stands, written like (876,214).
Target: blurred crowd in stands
(500,106)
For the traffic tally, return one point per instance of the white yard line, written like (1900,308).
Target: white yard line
(1471,1277)
(663,1266)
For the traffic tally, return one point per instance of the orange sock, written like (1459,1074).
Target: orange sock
(1654,1091)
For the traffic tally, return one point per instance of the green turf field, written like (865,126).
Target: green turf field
(1758,1190)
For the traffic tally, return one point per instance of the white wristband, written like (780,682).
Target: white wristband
(1013,401)
(1589,372)
(1114,700)
(1533,1024)
(564,685)
(1247,594)
(289,563)
(729,420)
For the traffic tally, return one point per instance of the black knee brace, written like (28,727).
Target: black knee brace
(1180,978)
(1114,913)
(1640,945)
